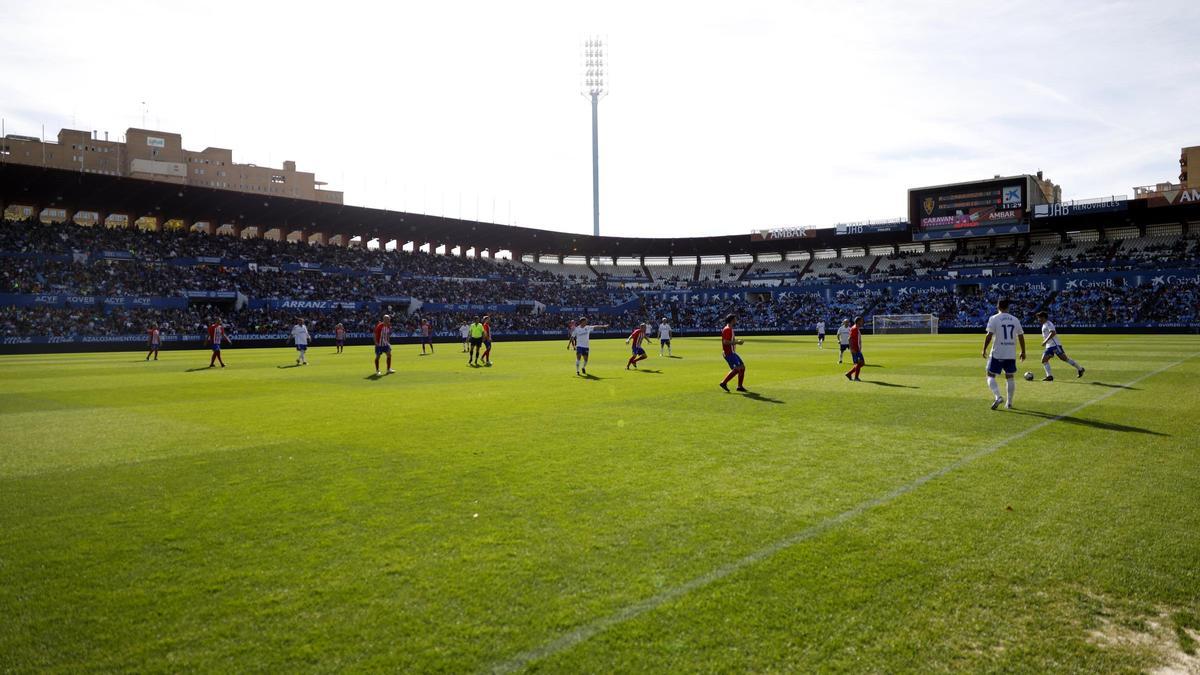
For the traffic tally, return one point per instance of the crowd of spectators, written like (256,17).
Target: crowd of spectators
(367,275)
(955,309)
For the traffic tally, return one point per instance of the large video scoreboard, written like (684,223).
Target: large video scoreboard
(977,209)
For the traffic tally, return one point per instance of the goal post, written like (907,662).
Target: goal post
(901,324)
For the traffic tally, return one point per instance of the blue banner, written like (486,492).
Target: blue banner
(962,233)
(67,300)
(40,257)
(630,304)
(145,303)
(443,307)
(211,295)
(32,300)
(315,305)
(209,260)
(556,309)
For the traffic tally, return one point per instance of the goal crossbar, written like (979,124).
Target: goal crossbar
(896,324)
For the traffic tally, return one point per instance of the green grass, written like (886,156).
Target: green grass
(446,518)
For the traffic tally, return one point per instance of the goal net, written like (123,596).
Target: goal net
(894,324)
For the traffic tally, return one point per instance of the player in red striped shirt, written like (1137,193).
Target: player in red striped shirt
(487,340)
(639,354)
(339,334)
(729,345)
(426,335)
(856,356)
(216,334)
(155,339)
(383,343)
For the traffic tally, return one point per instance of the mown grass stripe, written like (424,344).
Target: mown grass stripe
(587,631)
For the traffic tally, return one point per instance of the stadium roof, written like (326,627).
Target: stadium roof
(75,191)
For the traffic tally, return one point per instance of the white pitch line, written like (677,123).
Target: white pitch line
(590,630)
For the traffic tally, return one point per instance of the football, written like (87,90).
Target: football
(1028,376)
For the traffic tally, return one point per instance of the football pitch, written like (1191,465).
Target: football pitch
(164,516)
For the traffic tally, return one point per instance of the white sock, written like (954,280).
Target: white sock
(1073,364)
(1012,389)
(1046,366)
(576,363)
(993,386)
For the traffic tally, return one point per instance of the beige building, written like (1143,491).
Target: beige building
(1188,185)
(1051,191)
(160,156)
(1189,157)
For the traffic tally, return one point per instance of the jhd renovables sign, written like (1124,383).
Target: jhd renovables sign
(1080,208)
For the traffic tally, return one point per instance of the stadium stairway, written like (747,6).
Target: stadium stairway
(1022,257)
(1148,307)
(593,269)
(646,271)
(807,266)
(745,271)
(872,266)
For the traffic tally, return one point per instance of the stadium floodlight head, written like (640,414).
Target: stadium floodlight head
(594,50)
(593,68)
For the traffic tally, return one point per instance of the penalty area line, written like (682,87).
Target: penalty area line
(589,630)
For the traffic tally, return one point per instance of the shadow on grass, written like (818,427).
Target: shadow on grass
(890,384)
(374,376)
(193,370)
(589,376)
(872,365)
(672,356)
(294,365)
(646,370)
(755,396)
(426,354)
(1110,386)
(1095,424)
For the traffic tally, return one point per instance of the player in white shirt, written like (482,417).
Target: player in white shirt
(1053,347)
(465,331)
(664,336)
(1003,333)
(300,337)
(583,343)
(820,335)
(843,335)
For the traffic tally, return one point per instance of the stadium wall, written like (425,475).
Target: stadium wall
(137,343)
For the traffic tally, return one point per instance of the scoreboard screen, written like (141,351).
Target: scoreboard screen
(974,209)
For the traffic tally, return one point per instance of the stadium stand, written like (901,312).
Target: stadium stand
(62,282)
(104,263)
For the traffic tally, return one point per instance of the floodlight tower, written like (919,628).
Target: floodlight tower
(593,88)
